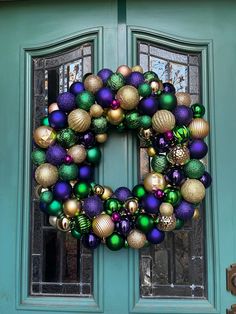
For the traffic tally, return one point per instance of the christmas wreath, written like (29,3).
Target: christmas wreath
(66,150)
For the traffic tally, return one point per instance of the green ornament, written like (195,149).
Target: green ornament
(132,120)
(38,157)
(115,241)
(44,121)
(94,155)
(116,81)
(167,101)
(66,138)
(99,125)
(159,163)
(181,134)
(194,169)
(144,90)
(139,191)
(121,127)
(54,208)
(68,172)
(172,196)
(144,223)
(145,122)
(112,205)
(75,234)
(198,110)
(83,224)
(46,197)
(82,189)
(150,76)
(85,100)
(179,224)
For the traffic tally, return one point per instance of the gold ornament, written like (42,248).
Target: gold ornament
(53,107)
(124,70)
(115,116)
(79,120)
(163,121)
(151,151)
(131,205)
(63,224)
(167,223)
(44,136)
(93,83)
(193,191)
(154,181)
(78,153)
(137,68)
(107,193)
(196,214)
(199,128)
(46,175)
(96,111)
(38,190)
(98,189)
(178,155)
(128,97)
(53,221)
(101,138)
(166,209)
(183,99)
(145,134)
(156,86)
(136,239)
(103,226)
(72,207)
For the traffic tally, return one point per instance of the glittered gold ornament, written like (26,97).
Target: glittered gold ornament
(193,191)
(156,86)
(63,224)
(93,83)
(154,181)
(101,138)
(72,207)
(53,107)
(151,151)
(178,155)
(79,120)
(166,223)
(199,128)
(46,175)
(128,97)
(124,70)
(136,239)
(44,136)
(107,193)
(163,121)
(103,226)
(183,99)
(166,209)
(78,153)
(96,111)
(131,205)
(98,189)
(196,214)
(137,68)
(115,116)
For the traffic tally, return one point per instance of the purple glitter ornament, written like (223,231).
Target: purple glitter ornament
(184,210)
(62,190)
(66,101)
(135,79)
(150,203)
(91,241)
(93,206)
(159,194)
(122,193)
(155,236)
(183,115)
(206,179)
(115,217)
(168,88)
(77,88)
(198,149)
(104,97)
(148,105)
(86,173)
(160,143)
(175,176)
(124,226)
(55,154)
(88,139)
(104,74)
(57,119)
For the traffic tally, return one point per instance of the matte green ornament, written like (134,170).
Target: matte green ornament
(139,191)
(121,127)
(172,196)
(145,122)
(167,101)
(82,189)
(116,81)
(150,76)
(144,90)
(68,172)
(112,205)
(198,110)
(99,125)
(159,163)
(179,224)
(115,241)
(45,121)
(83,224)
(46,197)
(66,138)
(85,100)
(194,169)
(132,120)
(94,155)
(144,223)
(181,134)
(75,234)
(38,157)
(54,208)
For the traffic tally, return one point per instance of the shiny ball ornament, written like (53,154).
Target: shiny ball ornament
(115,116)
(87,139)
(194,169)
(136,239)
(148,105)
(184,210)
(124,70)
(151,203)
(132,120)
(160,143)
(206,179)
(183,115)
(91,241)
(116,81)
(54,208)
(144,223)
(93,83)
(159,194)
(151,152)
(44,136)
(168,88)
(46,197)
(45,121)
(99,125)
(124,226)
(150,76)
(68,172)
(178,155)
(172,196)
(107,193)
(53,107)
(128,97)
(199,128)
(154,181)
(146,134)
(181,134)
(94,155)
(38,157)
(53,221)
(198,149)
(183,99)
(122,193)
(85,173)
(66,101)
(159,163)
(63,224)
(66,138)
(116,217)
(104,97)
(175,176)
(101,138)
(163,121)
(79,120)
(103,226)
(179,224)
(98,189)
(46,175)
(71,207)
(135,79)
(55,154)
(155,236)
(104,74)
(115,242)
(139,191)
(144,90)
(198,110)
(145,122)
(167,101)
(78,153)
(112,205)
(96,111)
(193,191)
(92,206)
(76,234)
(156,86)
(76,88)
(196,214)
(166,223)
(62,190)
(166,209)
(82,189)
(132,206)
(83,224)
(85,100)
(137,68)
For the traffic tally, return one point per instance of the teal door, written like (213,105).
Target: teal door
(45,47)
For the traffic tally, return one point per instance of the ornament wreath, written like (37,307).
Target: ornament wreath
(67,150)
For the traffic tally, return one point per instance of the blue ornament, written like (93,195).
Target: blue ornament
(86,173)
(104,97)
(77,88)
(151,204)
(90,241)
(104,74)
(155,236)
(57,119)
(62,190)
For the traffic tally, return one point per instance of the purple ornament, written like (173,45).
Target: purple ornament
(93,206)
(206,179)
(160,143)
(198,149)
(88,139)
(124,226)
(168,88)
(55,154)
(169,136)
(104,97)
(183,115)
(86,173)
(150,203)
(135,79)
(122,193)
(104,74)
(175,176)
(77,88)
(62,190)
(184,210)
(115,217)
(155,236)
(91,241)
(148,105)
(57,119)
(66,101)
(159,194)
